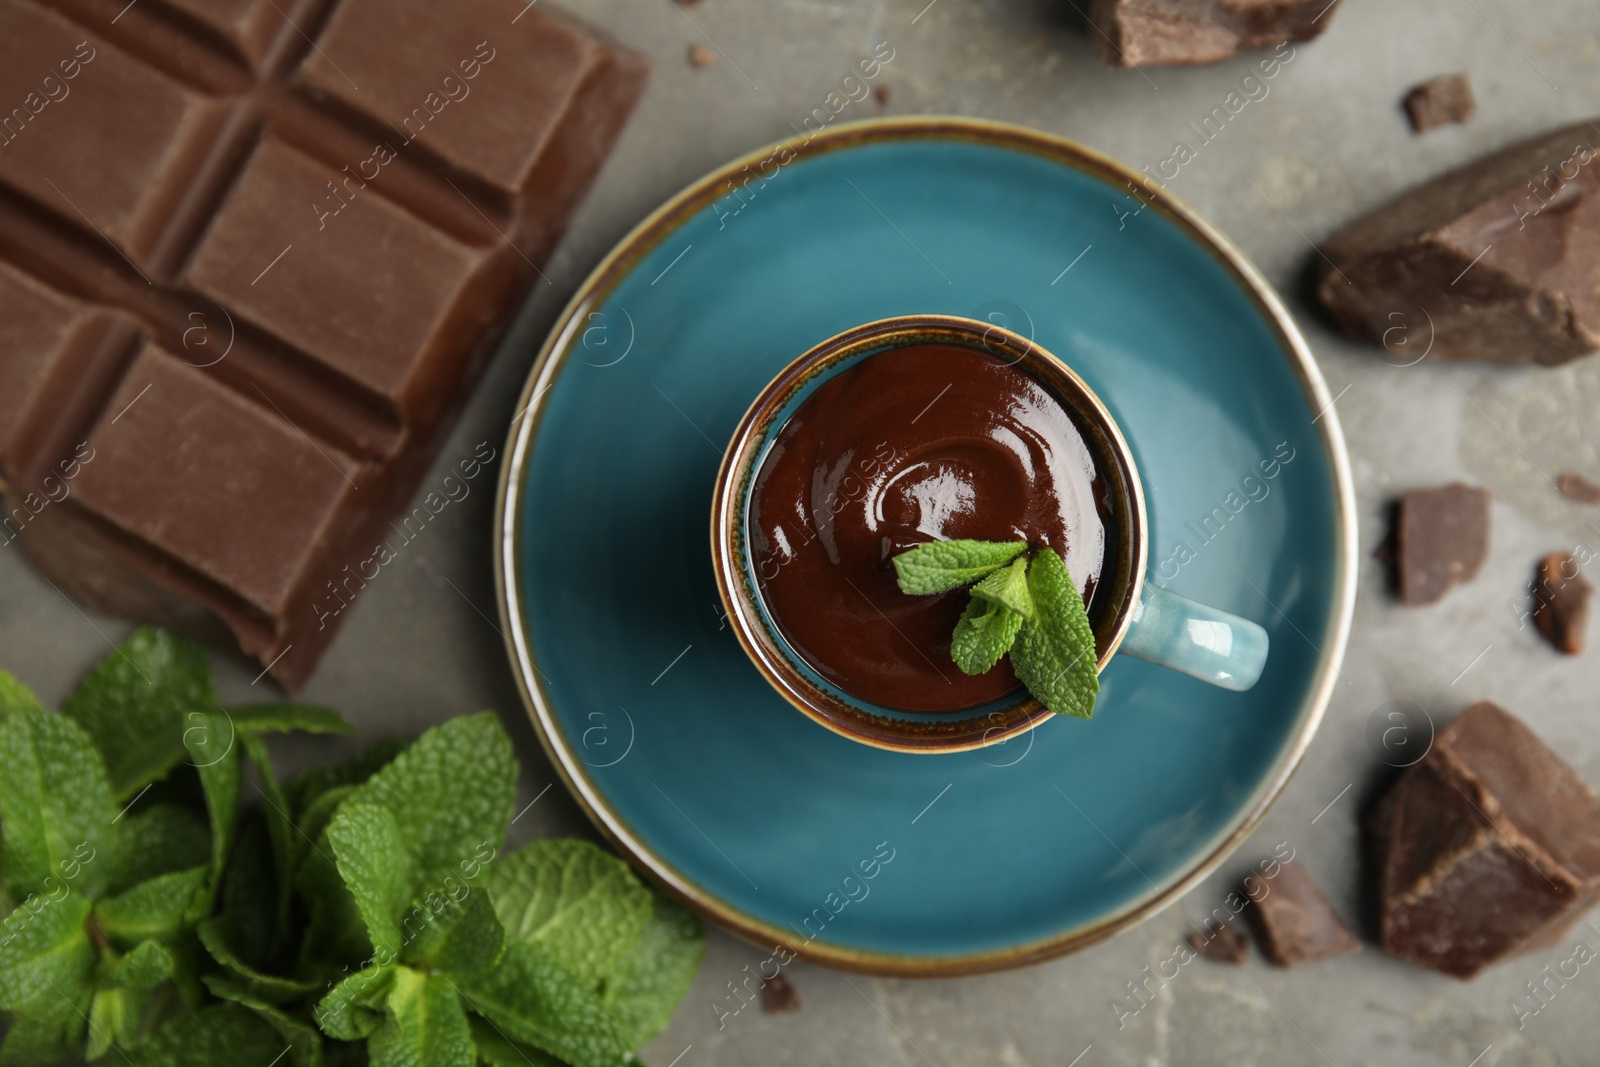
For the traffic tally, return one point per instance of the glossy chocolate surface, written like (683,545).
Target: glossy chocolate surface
(915,444)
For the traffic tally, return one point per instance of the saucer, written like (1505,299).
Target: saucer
(675,745)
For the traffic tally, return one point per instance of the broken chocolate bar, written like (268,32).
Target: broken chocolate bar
(1441,540)
(777,995)
(1561,602)
(1293,921)
(1496,260)
(1577,488)
(1487,847)
(1221,943)
(1143,33)
(253,255)
(1440,101)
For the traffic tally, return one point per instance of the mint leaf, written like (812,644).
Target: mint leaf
(531,998)
(498,1050)
(373,862)
(15,697)
(307,787)
(44,953)
(451,794)
(267,988)
(220,1034)
(580,904)
(335,931)
(426,1026)
(134,701)
(51,1034)
(214,751)
(280,828)
(156,909)
(1055,653)
(281,718)
(244,936)
(119,1005)
(305,1043)
(461,937)
(159,839)
(1009,588)
(658,972)
(354,1009)
(55,806)
(112,1021)
(985,632)
(941,565)
(149,964)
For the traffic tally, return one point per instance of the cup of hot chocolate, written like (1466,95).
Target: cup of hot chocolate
(925,430)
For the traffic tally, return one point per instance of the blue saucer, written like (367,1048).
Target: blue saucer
(670,738)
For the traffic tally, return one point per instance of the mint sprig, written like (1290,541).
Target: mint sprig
(359,913)
(1024,604)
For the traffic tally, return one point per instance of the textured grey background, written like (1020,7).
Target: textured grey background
(1328,142)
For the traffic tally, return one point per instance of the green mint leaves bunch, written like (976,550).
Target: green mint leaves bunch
(1024,604)
(358,913)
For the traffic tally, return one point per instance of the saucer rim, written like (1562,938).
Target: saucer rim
(620,261)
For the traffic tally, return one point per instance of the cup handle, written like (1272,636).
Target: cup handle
(1202,642)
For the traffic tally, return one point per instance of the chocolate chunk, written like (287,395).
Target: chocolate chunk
(1441,540)
(253,255)
(1144,33)
(1487,847)
(778,995)
(1576,487)
(1221,943)
(1497,260)
(881,95)
(1440,101)
(1294,922)
(1561,602)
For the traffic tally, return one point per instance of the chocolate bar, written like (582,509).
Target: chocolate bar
(1487,847)
(1495,260)
(253,255)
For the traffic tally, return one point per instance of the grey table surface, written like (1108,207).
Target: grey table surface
(1328,142)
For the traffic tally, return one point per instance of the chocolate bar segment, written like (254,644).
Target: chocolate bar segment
(1294,922)
(253,253)
(1142,33)
(1441,540)
(1497,260)
(1486,848)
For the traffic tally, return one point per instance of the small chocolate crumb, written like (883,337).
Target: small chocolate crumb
(778,995)
(1294,922)
(1221,943)
(1576,487)
(1561,602)
(1440,101)
(701,56)
(881,95)
(1441,540)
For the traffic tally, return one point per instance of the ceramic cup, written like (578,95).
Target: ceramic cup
(1127,615)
